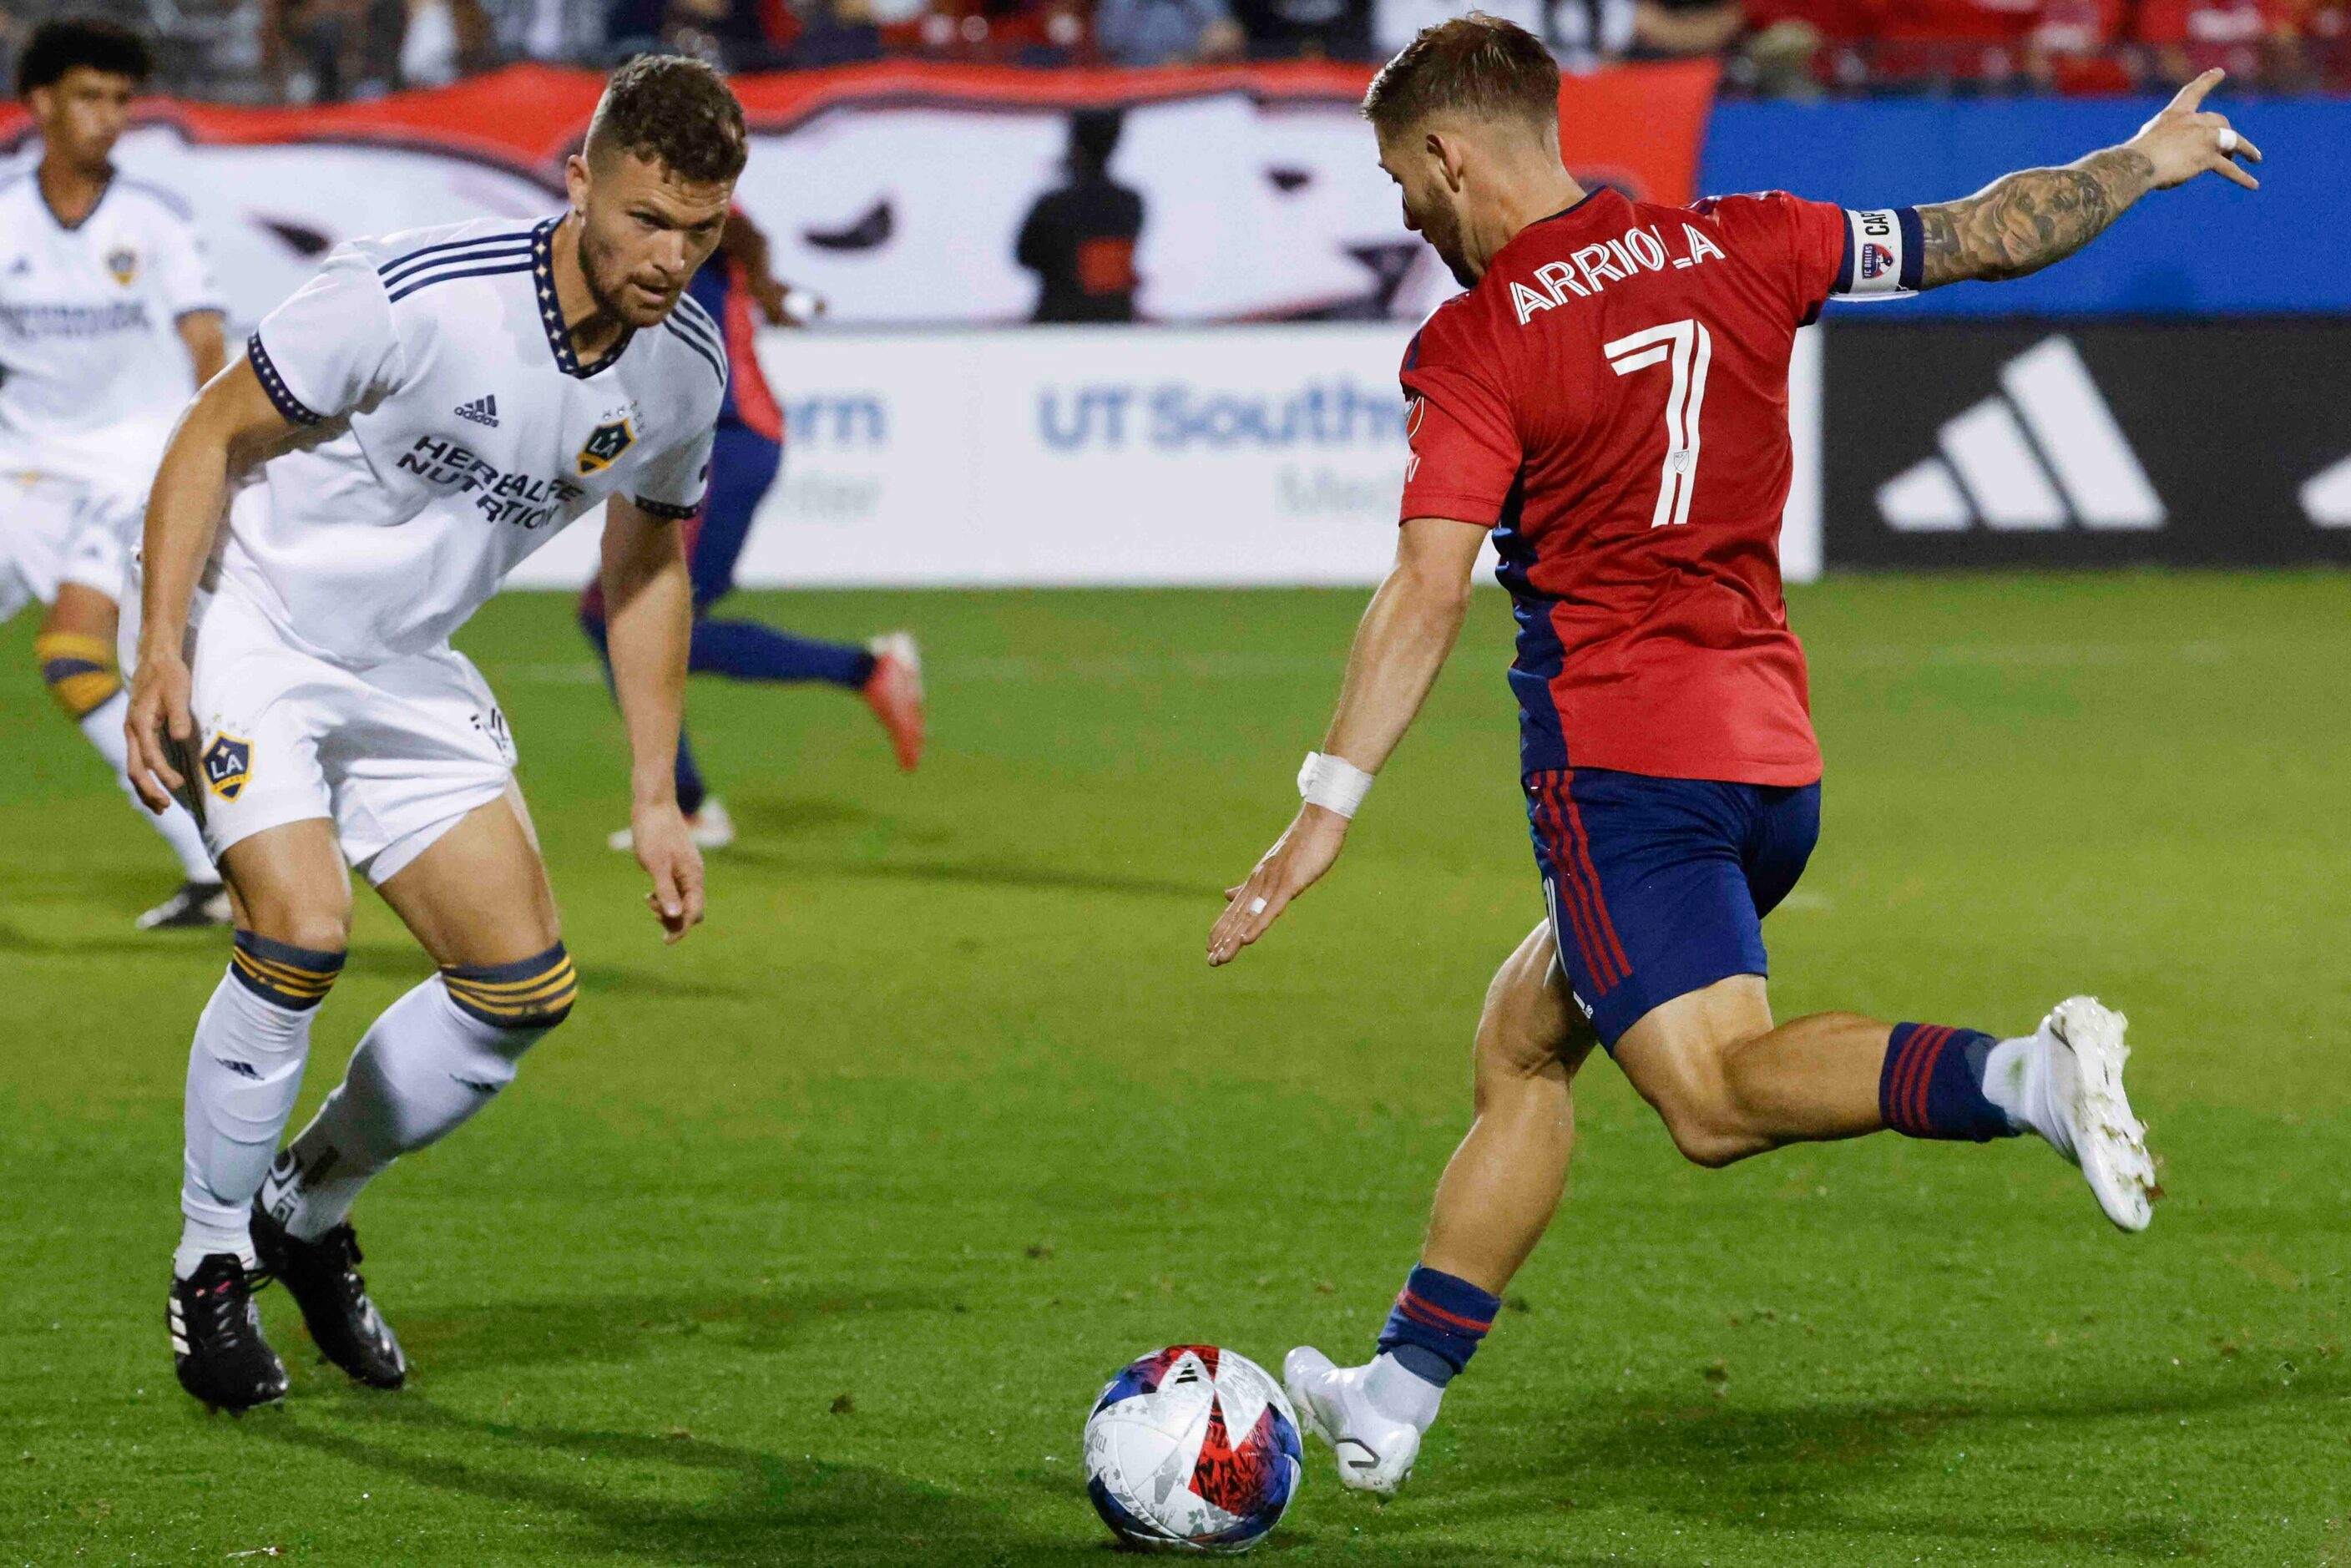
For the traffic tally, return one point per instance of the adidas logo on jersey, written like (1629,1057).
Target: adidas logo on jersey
(2040,453)
(481,410)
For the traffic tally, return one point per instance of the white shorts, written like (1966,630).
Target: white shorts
(56,531)
(393,754)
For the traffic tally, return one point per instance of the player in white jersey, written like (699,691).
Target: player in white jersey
(420,416)
(108,320)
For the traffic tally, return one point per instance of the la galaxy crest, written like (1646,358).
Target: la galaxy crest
(123,262)
(227,763)
(606,443)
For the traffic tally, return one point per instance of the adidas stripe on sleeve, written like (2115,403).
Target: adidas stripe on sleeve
(331,346)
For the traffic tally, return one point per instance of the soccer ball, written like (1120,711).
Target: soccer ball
(1192,1449)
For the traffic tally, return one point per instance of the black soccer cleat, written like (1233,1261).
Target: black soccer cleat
(323,1278)
(216,1343)
(197,905)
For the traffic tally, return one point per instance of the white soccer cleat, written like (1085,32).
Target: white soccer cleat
(710,828)
(2091,1122)
(1374,1453)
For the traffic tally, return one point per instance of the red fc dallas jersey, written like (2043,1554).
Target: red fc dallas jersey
(1611,399)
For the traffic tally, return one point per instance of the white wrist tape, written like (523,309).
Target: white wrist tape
(1333,783)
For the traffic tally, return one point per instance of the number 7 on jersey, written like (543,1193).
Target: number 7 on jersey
(1687,347)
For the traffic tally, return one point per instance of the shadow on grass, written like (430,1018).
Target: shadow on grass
(979,874)
(615,1328)
(672,1499)
(1797,1468)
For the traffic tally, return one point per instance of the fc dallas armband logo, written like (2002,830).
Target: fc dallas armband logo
(1882,254)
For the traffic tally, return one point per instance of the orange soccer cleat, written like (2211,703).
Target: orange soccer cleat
(894,693)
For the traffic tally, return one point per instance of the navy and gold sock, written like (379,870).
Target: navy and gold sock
(294,978)
(536,992)
(80,670)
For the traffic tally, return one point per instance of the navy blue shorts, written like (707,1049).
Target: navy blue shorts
(1658,887)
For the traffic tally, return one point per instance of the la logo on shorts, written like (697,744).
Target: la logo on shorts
(228,763)
(605,445)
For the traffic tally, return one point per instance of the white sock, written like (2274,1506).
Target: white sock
(103,727)
(245,1070)
(1400,1394)
(422,1070)
(2016,1078)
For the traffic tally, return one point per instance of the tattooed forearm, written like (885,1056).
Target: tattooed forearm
(2021,223)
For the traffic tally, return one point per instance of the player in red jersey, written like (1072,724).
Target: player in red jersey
(1610,400)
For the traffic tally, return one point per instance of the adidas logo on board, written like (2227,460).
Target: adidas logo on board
(2040,453)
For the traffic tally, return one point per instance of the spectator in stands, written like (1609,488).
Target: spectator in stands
(324,51)
(1080,238)
(1944,44)
(1316,29)
(734,34)
(2072,48)
(1679,29)
(1166,32)
(1792,47)
(2253,40)
(1582,34)
(842,32)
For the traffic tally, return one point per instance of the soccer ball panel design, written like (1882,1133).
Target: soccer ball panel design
(1192,1447)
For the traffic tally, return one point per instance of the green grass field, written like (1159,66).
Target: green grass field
(810,1240)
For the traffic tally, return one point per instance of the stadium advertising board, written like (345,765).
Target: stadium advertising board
(1075,455)
(897,189)
(2086,444)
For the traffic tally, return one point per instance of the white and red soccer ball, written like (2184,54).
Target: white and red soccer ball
(1192,1449)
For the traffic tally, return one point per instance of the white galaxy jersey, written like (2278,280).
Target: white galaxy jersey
(454,432)
(93,371)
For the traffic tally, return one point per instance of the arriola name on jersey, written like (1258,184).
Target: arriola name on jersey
(1642,249)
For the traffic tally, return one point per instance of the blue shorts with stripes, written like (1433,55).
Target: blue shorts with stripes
(1658,887)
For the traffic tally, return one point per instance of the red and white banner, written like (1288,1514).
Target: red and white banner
(896,189)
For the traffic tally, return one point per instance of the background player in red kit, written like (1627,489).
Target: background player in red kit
(747,453)
(1610,400)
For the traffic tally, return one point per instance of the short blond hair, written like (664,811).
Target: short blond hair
(1475,66)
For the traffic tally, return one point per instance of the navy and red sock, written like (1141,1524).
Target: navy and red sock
(1932,1085)
(1438,1323)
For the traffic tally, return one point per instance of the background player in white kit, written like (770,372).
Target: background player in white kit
(106,306)
(419,417)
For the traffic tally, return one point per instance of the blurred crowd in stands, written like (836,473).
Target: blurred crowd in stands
(322,50)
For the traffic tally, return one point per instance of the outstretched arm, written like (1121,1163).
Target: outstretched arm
(1399,648)
(2023,223)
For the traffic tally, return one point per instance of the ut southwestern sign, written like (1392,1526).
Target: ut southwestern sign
(1177,416)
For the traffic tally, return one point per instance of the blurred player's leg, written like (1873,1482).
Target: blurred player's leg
(76,647)
(887,672)
(1495,1199)
(478,901)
